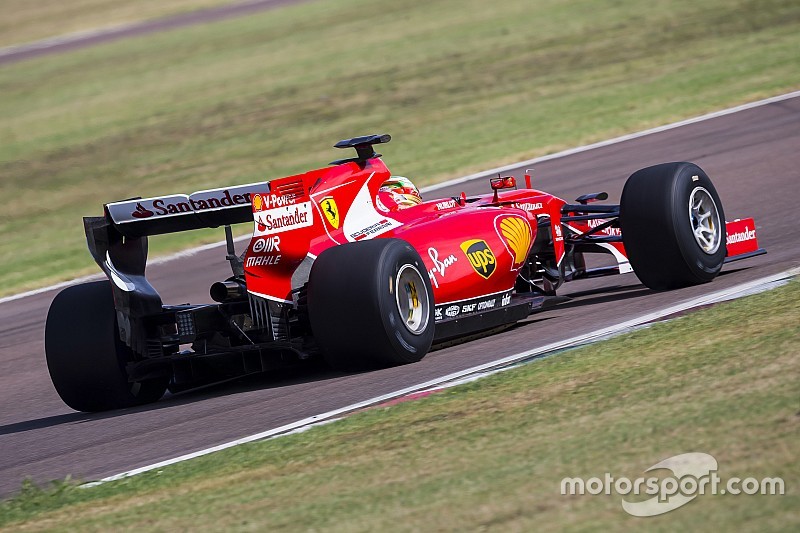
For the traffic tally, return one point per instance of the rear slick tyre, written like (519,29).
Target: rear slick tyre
(85,357)
(673,226)
(371,304)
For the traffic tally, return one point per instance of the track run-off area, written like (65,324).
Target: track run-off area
(750,153)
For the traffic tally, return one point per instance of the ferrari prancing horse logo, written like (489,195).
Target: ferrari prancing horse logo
(331,211)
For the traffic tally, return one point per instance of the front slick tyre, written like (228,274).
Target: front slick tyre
(673,226)
(85,357)
(370,304)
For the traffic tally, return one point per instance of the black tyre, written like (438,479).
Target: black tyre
(371,304)
(673,226)
(85,357)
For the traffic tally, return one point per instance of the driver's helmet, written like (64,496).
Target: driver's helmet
(398,193)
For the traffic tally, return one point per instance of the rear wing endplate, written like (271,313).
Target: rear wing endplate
(118,244)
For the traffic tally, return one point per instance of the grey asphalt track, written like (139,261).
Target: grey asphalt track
(752,156)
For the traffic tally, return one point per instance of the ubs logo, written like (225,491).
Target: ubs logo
(480,257)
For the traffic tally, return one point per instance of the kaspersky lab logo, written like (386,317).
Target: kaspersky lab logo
(480,257)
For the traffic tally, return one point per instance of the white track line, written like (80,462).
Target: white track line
(479,371)
(69,38)
(158,260)
(456,181)
(615,140)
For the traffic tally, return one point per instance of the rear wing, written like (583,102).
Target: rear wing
(180,212)
(118,243)
(140,217)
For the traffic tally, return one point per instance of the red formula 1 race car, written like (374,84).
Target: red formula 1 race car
(348,263)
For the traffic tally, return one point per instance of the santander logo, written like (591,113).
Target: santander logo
(141,211)
(746,235)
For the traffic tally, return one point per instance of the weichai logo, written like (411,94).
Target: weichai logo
(480,257)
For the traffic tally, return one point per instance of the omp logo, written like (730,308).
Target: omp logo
(517,233)
(480,257)
(331,211)
(142,212)
(267,244)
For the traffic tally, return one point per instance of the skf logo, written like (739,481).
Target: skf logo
(517,234)
(480,257)
(331,211)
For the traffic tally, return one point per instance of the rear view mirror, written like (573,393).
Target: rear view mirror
(508,182)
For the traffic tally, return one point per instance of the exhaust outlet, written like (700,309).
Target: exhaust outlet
(225,291)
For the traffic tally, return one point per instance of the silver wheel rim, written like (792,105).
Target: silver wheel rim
(412,299)
(704,218)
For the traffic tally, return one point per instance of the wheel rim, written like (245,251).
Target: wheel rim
(412,299)
(704,217)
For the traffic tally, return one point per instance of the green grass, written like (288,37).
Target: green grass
(24,21)
(462,86)
(490,455)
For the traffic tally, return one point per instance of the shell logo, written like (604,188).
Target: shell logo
(517,234)
(258,202)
